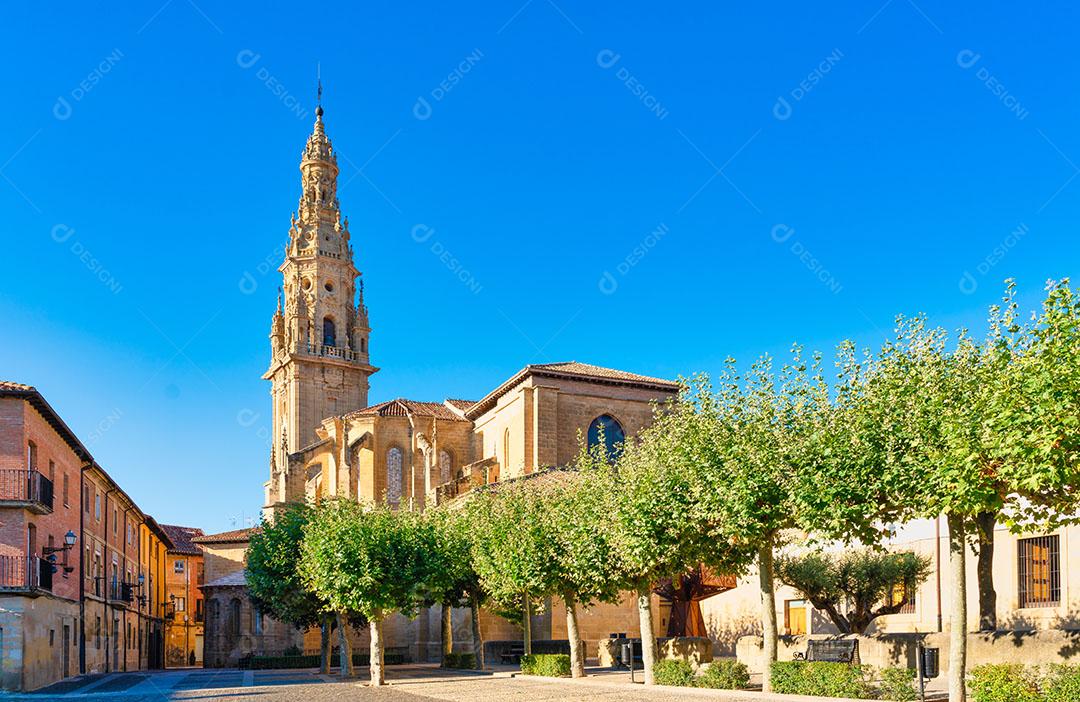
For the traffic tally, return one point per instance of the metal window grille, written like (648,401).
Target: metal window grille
(1039,571)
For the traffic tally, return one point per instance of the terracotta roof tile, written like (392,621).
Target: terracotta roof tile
(402,408)
(461,404)
(7,385)
(572,369)
(182,536)
(237,579)
(227,537)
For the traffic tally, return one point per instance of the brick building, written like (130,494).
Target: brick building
(81,566)
(184,576)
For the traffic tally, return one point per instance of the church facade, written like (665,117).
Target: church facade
(410,454)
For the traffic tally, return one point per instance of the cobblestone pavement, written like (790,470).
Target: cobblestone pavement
(409,683)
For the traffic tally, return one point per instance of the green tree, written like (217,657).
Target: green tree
(854,587)
(658,525)
(273,578)
(366,560)
(451,580)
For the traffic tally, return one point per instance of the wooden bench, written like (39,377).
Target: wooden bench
(831,651)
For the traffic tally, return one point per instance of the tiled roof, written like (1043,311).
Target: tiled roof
(237,579)
(402,408)
(572,369)
(15,387)
(182,536)
(235,536)
(462,404)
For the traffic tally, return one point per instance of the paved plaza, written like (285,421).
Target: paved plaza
(407,683)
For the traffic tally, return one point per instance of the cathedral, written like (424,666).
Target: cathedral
(329,442)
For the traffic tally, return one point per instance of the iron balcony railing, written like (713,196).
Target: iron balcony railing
(25,574)
(27,487)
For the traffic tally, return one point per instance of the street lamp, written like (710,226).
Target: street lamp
(69,543)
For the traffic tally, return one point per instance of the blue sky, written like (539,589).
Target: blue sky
(651,188)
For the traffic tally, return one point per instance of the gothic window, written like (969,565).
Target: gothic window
(234,618)
(393,477)
(445,466)
(607,429)
(329,333)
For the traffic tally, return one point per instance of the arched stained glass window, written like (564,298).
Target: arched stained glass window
(445,467)
(607,429)
(393,477)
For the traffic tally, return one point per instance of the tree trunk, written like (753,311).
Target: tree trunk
(768,612)
(577,659)
(648,640)
(346,648)
(984,569)
(958,620)
(377,675)
(477,638)
(447,633)
(526,624)
(324,645)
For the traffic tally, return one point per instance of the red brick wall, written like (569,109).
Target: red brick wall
(20,424)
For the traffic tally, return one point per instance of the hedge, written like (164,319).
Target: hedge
(459,660)
(724,675)
(1013,682)
(312,661)
(821,679)
(553,665)
(676,673)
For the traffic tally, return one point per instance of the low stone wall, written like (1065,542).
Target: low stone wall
(887,650)
(697,651)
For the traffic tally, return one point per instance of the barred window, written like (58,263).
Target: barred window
(900,593)
(1039,571)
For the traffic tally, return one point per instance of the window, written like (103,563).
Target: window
(52,637)
(605,428)
(1039,571)
(31,455)
(97,505)
(181,604)
(199,610)
(393,477)
(506,450)
(445,466)
(329,333)
(256,622)
(86,498)
(115,519)
(66,481)
(178,566)
(52,471)
(97,632)
(900,594)
(795,617)
(234,618)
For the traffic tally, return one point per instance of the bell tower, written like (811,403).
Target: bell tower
(319,358)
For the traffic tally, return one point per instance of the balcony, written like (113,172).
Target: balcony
(26,488)
(328,351)
(121,591)
(25,574)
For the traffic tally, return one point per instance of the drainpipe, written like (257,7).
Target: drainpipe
(82,571)
(937,568)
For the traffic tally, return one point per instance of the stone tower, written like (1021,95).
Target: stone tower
(319,364)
